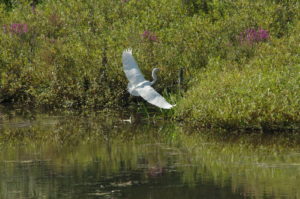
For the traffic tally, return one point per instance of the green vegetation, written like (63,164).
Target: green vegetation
(240,58)
(264,94)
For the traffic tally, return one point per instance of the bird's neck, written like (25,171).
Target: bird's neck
(154,77)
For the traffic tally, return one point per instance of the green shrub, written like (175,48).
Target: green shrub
(264,94)
(71,54)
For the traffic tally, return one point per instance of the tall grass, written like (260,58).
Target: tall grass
(70,53)
(263,94)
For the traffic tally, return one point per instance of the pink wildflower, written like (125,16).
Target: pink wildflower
(147,35)
(16,28)
(252,36)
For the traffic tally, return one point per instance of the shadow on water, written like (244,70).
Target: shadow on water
(105,155)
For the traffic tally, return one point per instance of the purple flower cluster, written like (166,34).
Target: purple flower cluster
(16,28)
(149,36)
(254,35)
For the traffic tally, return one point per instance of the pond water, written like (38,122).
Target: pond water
(100,155)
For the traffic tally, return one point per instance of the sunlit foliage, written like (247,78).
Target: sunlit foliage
(68,53)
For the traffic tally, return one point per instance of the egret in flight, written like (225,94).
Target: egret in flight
(138,86)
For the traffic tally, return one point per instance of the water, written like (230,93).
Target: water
(101,156)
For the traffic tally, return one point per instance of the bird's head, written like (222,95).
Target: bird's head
(155,70)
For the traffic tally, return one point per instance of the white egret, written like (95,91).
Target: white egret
(138,86)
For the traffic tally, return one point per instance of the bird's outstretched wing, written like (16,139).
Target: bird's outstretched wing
(153,97)
(131,69)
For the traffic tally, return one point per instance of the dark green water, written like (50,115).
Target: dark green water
(101,156)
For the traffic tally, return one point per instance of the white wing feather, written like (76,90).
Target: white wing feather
(131,69)
(153,97)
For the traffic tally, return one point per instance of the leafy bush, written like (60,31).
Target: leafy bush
(264,94)
(68,53)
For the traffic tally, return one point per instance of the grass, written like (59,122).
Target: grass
(68,55)
(262,94)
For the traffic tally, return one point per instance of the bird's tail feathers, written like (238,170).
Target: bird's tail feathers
(128,50)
